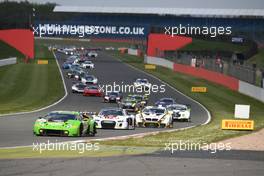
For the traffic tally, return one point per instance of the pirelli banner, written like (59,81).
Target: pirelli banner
(53,29)
(43,62)
(237,124)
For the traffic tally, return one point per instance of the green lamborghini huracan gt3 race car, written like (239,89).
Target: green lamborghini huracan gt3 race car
(65,123)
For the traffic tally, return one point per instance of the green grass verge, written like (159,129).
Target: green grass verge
(7,51)
(201,45)
(219,100)
(103,151)
(29,86)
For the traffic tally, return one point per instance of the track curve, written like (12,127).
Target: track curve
(16,130)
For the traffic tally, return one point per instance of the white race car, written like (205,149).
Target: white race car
(87,64)
(109,48)
(78,87)
(154,116)
(114,118)
(142,83)
(92,54)
(89,79)
(180,112)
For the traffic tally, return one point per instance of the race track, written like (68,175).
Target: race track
(242,163)
(16,130)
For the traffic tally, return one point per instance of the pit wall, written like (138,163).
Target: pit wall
(218,78)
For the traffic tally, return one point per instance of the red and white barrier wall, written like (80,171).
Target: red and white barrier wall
(224,80)
(134,52)
(21,39)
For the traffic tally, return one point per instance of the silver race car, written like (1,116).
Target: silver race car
(78,87)
(180,112)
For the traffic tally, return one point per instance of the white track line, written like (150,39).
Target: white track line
(46,107)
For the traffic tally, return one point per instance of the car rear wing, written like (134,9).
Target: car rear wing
(88,113)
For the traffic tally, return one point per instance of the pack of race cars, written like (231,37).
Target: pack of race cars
(132,111)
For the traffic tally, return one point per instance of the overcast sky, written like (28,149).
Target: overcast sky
(226,4)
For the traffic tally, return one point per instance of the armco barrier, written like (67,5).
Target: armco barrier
(159,61)
(8,61)
(133,52)
(224,80)
(251,90)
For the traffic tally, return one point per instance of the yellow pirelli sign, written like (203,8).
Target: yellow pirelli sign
(43,62)
(199,89)
(150,67)
(237,124)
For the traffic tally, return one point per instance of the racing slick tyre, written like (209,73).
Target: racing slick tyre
(80,131)
(91,133)
(131,124)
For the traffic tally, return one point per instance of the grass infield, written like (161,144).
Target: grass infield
(29,86)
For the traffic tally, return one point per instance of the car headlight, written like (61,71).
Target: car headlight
(40,124)
(118,98)
(106,97)
(68,126)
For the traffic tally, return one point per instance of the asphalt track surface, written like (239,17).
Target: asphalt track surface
(225,163)
(16,130)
